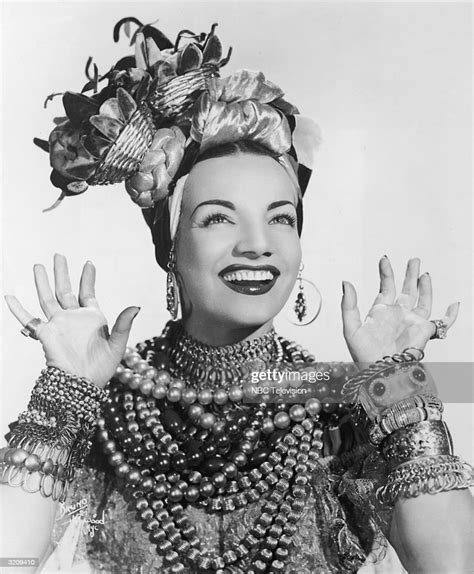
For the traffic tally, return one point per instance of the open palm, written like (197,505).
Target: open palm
(392,324)
(75,337)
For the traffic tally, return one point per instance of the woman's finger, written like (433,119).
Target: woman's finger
(46,298)
(121,330)
(451,314)
(350,311)
(387,291)
(18,310)
(425,298)
(87,286)
(62,283)
(409,291)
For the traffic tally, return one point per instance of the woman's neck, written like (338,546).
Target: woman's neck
(219,334)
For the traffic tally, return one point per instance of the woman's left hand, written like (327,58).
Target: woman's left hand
(392,324)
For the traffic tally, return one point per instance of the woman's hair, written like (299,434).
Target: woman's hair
(233,148)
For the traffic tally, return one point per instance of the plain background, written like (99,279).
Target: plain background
(390,86)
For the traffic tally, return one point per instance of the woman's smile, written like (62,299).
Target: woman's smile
(238,249)
(250,280)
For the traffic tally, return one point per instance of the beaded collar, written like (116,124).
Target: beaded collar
(215,367)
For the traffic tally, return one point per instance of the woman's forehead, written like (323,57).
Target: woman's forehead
(241,179)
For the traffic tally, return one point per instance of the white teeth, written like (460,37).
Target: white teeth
(248,275)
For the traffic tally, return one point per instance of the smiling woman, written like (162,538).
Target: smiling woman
(181,468)
(237,237)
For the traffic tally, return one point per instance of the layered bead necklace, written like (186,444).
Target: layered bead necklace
(177,432)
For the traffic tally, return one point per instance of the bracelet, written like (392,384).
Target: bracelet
(414,409)
(427,438)
(53,436)
(387,366)
(426,475)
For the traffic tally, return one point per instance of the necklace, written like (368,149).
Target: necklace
(172,445)
(218,367)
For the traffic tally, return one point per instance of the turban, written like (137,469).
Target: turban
(161,110)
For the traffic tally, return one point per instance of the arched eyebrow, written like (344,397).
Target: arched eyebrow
(230,205)
(222,202)
(276,204)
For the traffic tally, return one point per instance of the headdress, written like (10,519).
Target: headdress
(160,109)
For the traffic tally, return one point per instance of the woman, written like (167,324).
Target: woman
(217,482)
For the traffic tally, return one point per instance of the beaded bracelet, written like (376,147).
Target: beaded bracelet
(426,475)
(52,437)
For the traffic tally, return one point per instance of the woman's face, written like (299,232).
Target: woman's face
(237,248)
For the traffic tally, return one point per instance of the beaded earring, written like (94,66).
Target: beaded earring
(172,291)
(306,302)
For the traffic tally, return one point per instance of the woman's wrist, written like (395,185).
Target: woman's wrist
(53,436)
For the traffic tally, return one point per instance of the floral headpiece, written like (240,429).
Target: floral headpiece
(159,110)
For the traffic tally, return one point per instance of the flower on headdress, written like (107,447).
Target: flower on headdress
(106,136)
(243,105)
(158,167)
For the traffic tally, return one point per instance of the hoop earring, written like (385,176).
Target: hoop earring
(172,291)
(306,302)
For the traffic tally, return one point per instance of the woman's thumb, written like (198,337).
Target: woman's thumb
(122,326)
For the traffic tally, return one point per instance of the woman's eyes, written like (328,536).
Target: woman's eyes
(285,219)
(282,218)
(213,218)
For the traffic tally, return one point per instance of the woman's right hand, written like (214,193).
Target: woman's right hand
(76,337)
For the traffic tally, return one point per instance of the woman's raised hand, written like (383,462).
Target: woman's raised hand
(76,337)
(392,324)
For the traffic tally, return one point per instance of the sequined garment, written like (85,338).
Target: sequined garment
(341,527)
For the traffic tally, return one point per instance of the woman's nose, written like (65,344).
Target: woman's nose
(254,241)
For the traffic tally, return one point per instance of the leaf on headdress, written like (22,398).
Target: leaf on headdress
(111,109)
(154,53)
(163,73)
(123,22)
(126,103)
(191,59)
(43,144)
(95,144)
(160,39)
(82,171)
(125,63)
(212,50)
(140,52)
(109,127)
(78,107)
(60,120)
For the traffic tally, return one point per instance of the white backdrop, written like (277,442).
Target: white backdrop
(390,86)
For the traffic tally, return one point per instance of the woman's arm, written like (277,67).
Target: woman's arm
(81,357)
(27,522)
(433,534)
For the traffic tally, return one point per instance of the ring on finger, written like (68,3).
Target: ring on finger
(441,329)
(29,330)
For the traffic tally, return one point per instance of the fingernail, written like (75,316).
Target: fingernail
(89,262)
(385,257)
(137,311)
(426,273)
